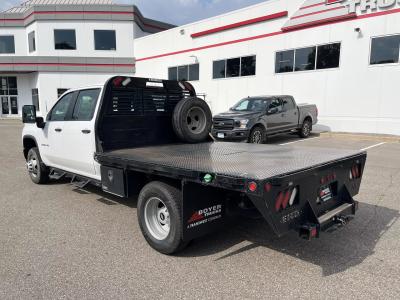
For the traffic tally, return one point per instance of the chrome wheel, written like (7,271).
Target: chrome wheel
(157,218)
(196,120)
(256,137)
(32,166)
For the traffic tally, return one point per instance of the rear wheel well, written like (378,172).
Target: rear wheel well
(308,118)
(28,143)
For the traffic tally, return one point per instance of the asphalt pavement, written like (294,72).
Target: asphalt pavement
(57,241)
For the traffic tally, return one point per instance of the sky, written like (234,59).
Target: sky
(176,12)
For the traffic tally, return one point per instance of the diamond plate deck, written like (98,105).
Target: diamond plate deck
(230,159)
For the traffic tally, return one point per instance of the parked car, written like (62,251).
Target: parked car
(256,118)
(149,137)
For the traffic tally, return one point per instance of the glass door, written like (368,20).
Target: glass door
(5,108)
(14,105)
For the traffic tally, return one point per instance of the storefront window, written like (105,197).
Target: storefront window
(185,72)
(328,56)
(64,39)
(284,61)
(105,40)
(7,44)
(305,59)
(35,99)
(385,50)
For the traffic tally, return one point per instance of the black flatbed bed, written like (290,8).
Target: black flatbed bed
(238,160)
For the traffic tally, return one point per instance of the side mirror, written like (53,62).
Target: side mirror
(29,114)
(40,123)
(272,111)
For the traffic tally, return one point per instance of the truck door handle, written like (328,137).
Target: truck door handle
(58,129)
(86,131)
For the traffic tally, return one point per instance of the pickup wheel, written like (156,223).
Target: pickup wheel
(305,129)
(38,172)
(160,217)
(192,120)
(258,135)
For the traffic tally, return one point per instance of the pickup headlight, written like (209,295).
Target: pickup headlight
(242,124)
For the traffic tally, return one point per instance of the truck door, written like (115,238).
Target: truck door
(79,136)
(274,116)
(290,113)
(53,142)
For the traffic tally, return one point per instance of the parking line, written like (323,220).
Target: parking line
(299,141)
(373,146)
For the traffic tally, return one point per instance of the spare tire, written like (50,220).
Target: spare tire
(192,120)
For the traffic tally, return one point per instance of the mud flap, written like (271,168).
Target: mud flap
(203,210)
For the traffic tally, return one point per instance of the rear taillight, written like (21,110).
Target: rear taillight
(286,199)
(355,172)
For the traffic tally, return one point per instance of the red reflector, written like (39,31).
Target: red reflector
(313,232)
(286,199)
(252,186)
(268,187)
(323,180)
(278,202)
(117,81)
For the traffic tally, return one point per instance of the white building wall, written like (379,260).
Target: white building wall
(355,97)
(84,38)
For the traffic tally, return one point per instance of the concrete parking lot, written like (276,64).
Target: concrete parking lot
(60,242)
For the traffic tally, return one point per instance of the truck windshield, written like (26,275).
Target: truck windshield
(251,104)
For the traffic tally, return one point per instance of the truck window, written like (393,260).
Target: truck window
(288,103)
(85,105)
(60,110)
(275,103)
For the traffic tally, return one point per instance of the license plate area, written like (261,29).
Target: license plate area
(221,135)
(327,192)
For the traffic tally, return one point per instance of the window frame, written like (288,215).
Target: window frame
(13,38)
(32,33)
(370,52)
(188,72)
(75,101)
(64,29)
(38,98)
(94,39)
(69,110)
(240,67)
(316,57)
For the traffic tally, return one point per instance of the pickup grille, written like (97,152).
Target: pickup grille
(223,124)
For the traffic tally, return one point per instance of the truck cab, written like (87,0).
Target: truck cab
(66,137)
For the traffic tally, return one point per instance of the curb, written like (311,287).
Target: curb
(364,136)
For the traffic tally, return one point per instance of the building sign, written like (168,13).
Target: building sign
(365,5)
(312,12)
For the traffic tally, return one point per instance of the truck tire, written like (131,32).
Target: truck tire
(258,135)
(160,217)
(305,129)
(192,120)
(38,172)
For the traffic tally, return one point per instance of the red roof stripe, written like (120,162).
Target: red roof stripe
(314,5)
(317,12)
(240,24)
(67,64)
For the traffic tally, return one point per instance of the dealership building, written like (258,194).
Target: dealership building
(341,55)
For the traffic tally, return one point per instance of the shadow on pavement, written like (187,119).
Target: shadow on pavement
(333,252)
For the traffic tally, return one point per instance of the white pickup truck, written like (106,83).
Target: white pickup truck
(149,137)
